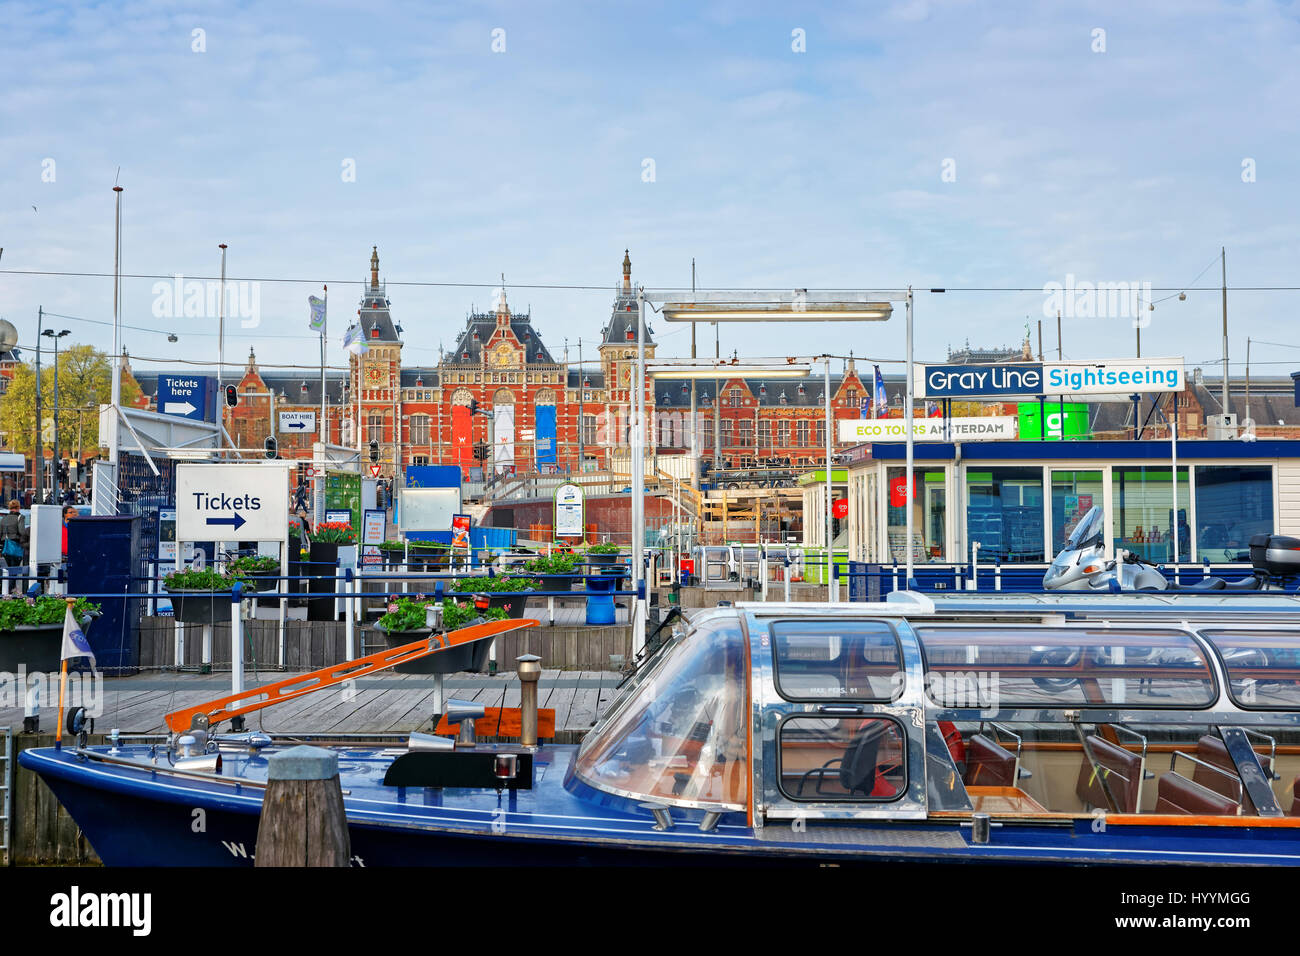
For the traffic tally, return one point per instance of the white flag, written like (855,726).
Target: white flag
(317,321)
(74,640)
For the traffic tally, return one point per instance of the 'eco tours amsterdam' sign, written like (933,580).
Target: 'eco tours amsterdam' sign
(927,429)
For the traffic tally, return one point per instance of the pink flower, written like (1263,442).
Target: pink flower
(392,607)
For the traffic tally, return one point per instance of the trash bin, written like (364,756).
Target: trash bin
(600,606)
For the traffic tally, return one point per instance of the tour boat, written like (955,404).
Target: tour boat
(1058,732)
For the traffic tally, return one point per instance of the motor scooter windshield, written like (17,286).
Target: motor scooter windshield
(1088,531)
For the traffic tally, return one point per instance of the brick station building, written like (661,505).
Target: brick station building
(421,414)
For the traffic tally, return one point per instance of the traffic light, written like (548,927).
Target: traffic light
(232,396)
(271,446)
(473,406)
(374,451)
(480,451)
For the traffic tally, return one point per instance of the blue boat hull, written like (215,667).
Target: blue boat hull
(134,817)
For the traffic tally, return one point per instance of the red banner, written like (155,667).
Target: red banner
(898,491)
(840,508)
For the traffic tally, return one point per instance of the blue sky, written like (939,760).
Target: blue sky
(773,168)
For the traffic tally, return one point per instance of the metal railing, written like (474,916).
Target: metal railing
(6,793)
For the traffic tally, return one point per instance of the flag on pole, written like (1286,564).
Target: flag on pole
(317,322)
(74,640)
(881,400)
(865,410)
(932,410)
(354,341)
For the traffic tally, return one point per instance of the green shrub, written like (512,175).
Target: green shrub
(558,563)
(46,609)
(202,580)
(495,585)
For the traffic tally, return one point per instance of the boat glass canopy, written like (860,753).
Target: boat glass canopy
(1262,664)
(819,659)
(1006,665)
(681,735)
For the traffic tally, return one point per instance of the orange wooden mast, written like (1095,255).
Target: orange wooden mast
(224,708)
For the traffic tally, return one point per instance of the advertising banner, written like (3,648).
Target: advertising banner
(1025,379)
(927,429)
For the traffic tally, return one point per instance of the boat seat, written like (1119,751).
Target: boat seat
(857,769)
(1123,770)
(1295,797)
(1213,751)
(988,763)
(1178,794)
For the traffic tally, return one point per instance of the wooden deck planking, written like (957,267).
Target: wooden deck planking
(132,706)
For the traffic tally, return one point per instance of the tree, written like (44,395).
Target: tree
(85,383)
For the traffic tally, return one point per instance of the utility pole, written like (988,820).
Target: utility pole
(38,460)
(1223,256)
(695,420)
(582,418)
(221,348)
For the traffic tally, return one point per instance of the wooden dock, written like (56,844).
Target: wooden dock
(389,703)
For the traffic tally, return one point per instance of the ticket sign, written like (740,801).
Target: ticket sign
(188,396)
(297,423)
(231,502)
(989,428)
(568,510)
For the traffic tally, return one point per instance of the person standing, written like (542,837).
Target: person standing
(13,533)
(69,512)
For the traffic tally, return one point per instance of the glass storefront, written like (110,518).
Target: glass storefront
(1073,493)
(1004,513)
(1233,502)
(928,519)
(1142,499)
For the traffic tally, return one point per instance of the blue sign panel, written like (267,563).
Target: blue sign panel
(187,396)
(964,381)
(545,435)
(432,476)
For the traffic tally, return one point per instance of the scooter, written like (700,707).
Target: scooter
(1082,565)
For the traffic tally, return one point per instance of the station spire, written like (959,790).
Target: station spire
(374,267)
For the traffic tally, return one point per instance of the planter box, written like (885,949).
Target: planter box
(555,582)
(466,657)
(499,599)
(200,607)
(430,559)
(606,559)
(34,646)
(324,565)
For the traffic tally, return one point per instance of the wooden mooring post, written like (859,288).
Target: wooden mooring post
(303,822)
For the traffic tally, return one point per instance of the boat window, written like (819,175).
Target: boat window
(681,736)
(988,667)
(836,660)
(1263,667)
(841,758)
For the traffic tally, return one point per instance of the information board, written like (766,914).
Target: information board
(231,502)
(343,493)
(187,396)
(460,532)
(297,423)
(428,509)
(373,527)
(569,510)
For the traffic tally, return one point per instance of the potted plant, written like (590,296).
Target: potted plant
(603,554)
(394,553)
(554,572)
(263,571)
(430,555)
(202,596)
(31,631)
(504,593)
(405,622)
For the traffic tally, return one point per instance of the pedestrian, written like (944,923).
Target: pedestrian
(299,526)
(13,532)
(69,513)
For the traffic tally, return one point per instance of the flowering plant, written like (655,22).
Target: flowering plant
(334,532)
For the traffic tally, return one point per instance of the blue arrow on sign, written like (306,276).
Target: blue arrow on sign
(237,522)
(297,424)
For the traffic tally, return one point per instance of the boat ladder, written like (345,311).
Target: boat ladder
(6,790)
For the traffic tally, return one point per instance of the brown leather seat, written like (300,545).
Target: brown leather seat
(988,763)
(1213,751)
(1177,794)
(1123,771)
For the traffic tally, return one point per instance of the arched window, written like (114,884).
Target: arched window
(503,396)
(375,427)
(733,397)
(545,396)
(462,396)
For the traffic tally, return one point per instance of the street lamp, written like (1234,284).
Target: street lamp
(797,305)
(55,482)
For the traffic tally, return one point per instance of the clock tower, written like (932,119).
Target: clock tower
(376,374)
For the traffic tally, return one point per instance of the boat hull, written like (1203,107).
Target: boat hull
(139,816)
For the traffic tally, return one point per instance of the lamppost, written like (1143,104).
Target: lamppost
(796,306)
(56,485)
